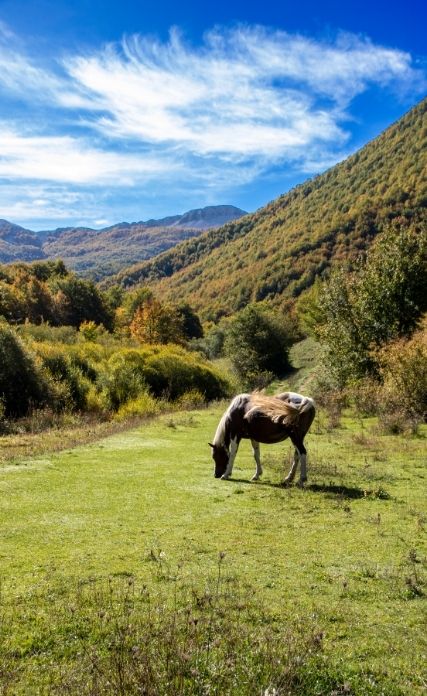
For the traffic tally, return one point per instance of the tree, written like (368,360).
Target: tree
(154,322)
(380,301)
(12,303)
(257,343)
(191,325)
(80,300)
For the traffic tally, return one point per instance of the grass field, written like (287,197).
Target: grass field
(341,565)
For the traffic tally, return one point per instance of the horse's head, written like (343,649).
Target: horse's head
(220,457)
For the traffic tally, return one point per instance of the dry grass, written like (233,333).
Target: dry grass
(64,433)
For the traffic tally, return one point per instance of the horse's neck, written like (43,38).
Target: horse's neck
(237,406)
(221,434)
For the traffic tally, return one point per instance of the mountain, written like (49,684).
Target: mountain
(102,252)
(18,243)
(277,252)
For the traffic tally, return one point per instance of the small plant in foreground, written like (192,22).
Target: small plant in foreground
(171,637)
(122,637)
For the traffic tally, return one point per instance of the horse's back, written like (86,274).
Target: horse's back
(306,402)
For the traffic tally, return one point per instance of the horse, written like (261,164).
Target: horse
(267,420)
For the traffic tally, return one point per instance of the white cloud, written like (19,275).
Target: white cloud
(247,92)
(209,117)
(73,160)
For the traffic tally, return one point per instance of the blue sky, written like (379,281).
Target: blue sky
(114,111)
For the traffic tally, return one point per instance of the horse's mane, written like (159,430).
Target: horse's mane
(274,408)
(221,430)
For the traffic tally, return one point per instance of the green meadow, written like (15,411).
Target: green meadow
(338,569)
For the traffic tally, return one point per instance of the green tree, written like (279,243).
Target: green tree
(381,300)
(191,324)
(12,303)
(80,300)
(257,343)
(132,301)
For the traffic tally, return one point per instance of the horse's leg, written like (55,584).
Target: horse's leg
(292,471)
(234,446)
(258,472)
(298,443)
(303,466)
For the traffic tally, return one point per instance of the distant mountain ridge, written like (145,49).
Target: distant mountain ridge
(18,244)
(277,252)
(102,252)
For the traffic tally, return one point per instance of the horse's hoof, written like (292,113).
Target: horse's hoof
(301,483)
(224,477)
(286,483)
(255,478)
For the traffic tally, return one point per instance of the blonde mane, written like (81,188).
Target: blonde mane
(274,408)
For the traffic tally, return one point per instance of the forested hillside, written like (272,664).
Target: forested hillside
(276,253)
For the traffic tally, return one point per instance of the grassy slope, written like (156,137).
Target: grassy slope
(346,552)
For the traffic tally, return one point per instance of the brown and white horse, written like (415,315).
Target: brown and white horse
(265,419)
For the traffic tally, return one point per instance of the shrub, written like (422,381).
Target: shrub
(143,405)
(21,383)
(99,378)
(403,368)
(46,333)
(365,396)
(191,399)
(171,371)
(90,331)
(125,379)
(69,385)
(212,344)
(97,401)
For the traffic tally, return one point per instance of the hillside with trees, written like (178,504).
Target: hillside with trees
(277,253)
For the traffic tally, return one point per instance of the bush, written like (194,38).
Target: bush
(125,379)
(87,376)
(191,399)
(69,386)
(171,371)
(46,333)
(403,368)
(365,396)
(143,405)
(21,383)
(212,344)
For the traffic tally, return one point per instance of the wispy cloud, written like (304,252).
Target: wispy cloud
(246,99)
(73,160)
(247,92)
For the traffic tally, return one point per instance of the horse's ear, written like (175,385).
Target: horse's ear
(211,445)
